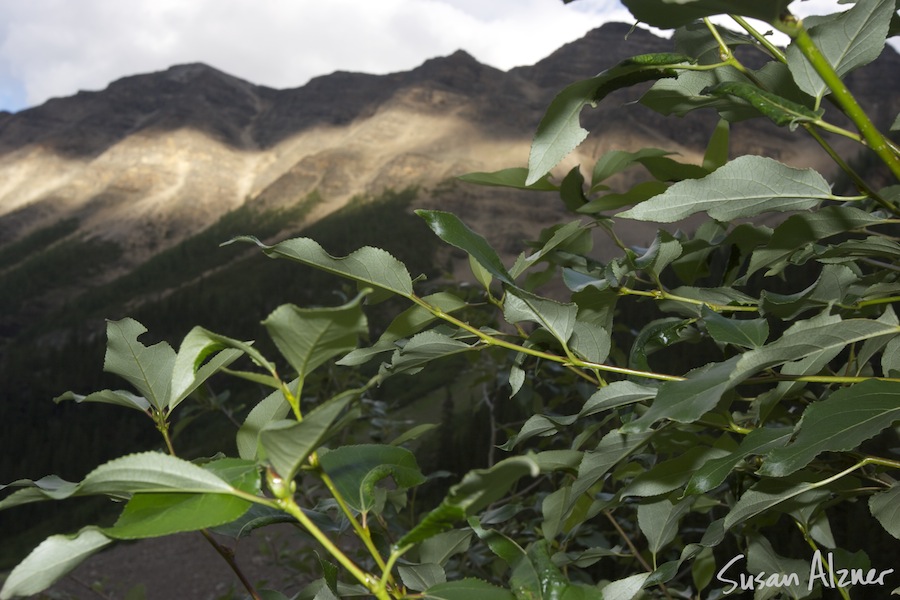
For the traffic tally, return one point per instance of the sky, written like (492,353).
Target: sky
(51,48)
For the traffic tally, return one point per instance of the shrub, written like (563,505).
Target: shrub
(666,454)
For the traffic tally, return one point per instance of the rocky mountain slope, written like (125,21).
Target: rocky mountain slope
(156,157)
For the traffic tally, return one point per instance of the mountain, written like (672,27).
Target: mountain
(114,203)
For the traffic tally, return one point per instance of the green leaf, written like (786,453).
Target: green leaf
(52,559)
(407,323)
(118,398)
(196,346)
(746,333)
(367,266)
(511,178)
(477,490)
(656,335)
(638,193)
(421,577)
(590,340)
(422,349)
(800,230)
(440,548)
(288,443)
(842,422)
(596,463)
(309,337)
(799,343)
(766,494)
(356,469)
(625,589)
(688,400)
(759,441)
(716,154)
(669,14)
(273,407)
(154,515)
(572,237)
(671,474)
(659,521)
(189,371)
(616,161)
(846,41)
(151,472)
(557,318)
(144,472)
(745,187)
(449,228)
(467,589)
(885,507)
(560,131)
(684,94)
(614,395)
(148,369)
(780,111)
(763,560)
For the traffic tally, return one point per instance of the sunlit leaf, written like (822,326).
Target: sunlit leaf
(368,266)
(449,228)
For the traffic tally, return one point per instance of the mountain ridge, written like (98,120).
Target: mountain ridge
(155,158)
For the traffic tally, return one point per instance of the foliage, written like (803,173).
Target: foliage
(642,465)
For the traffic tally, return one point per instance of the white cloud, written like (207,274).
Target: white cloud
(56,47)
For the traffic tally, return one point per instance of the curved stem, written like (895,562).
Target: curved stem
(362,532)
(288,505)
(563,360)
(842,96)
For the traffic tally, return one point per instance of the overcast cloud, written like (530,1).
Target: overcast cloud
(56,47)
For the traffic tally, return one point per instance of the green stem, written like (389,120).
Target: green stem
(386,577)
(872,302)
(362,532)
(812,544)
(860,183)
(288,505)
(818,379)
(563,360)
(774,50)
(724,51)
(842,96)
(663,295)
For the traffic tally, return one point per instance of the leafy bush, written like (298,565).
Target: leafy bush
(666,457)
